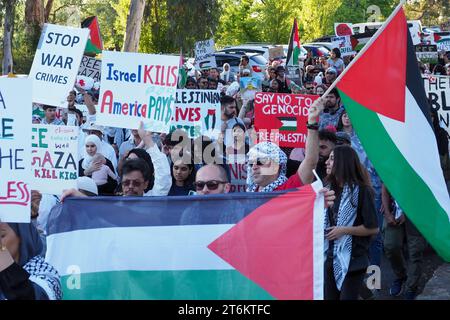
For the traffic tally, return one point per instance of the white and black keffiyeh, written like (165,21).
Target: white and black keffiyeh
(45,276)
(342,250)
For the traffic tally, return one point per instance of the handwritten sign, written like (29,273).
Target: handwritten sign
(344,44)
(438,92)
(204,58)
(137,87)
(276,52)
(54,158)
(197,112)
(15,132)
(56,63)
(90,67)
(281,118)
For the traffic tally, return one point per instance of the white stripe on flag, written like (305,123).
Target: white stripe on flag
(137,248)
(289,123)
(416,141)
(318,238)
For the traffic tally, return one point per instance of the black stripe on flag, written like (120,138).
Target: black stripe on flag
(414,80)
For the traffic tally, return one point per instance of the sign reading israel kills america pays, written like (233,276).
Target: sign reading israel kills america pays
(138,87)
(56,62)
(281,118)
(15,151)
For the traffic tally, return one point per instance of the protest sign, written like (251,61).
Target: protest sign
(56,63)
(197,112)
(90,67)
(204,58)
(238,172)
(249,86)
(137,87)
(438,92)
(281,118)
(443,44)
(54,162)
(427,53)
(343,29)
(15,151)
(276,52)
(344,44)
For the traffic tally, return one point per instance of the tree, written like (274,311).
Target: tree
(134,21)
(7,61)
(430,12)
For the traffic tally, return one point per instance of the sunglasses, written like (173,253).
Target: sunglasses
(135,183)
(211,185)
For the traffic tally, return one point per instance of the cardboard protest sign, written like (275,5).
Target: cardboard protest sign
(238,172)
(344,44)
(56,63)
(54,158)
(343,29)
(276,52)
(90,67)
(197,112)
(204,58)
(427,53)
(15,151)
(281,118)
(137,87)
(438,92)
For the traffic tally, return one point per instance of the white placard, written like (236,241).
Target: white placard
(344,44)
(204,58)
(90,67)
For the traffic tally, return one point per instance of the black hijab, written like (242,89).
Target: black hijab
(30,241)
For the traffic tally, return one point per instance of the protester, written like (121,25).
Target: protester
(245,65)
(275,86)
(327,142)
(50,116)
(182,178)
(211,179)
(227,75)
(203,83)
(335,60)
(349,225)
(320,89)
(191,83)
(332,110)
(330,76)
(24,275)
(104,148)
(101,175)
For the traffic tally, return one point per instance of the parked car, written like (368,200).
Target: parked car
(317,50)
(326,45)
(257,62)
(253,48)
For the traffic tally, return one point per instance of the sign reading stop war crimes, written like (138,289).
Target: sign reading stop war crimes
(137,87)
(281,118)
(197,112)
(54,158)
(56,63)
(438,92)
(90,67)
(15,132)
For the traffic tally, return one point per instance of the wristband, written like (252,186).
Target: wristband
(312,126)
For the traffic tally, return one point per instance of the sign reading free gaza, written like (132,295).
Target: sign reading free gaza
(281,118)
(137,87)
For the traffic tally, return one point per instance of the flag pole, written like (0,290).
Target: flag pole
(366,47)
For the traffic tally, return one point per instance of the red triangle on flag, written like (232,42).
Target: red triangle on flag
(273,246)
(381,70)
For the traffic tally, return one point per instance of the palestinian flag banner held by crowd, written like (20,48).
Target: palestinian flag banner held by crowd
(94,44)
(391,116)
(229,246)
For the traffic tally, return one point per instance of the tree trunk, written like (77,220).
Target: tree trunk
(134,22)
(48,8)
(7,63)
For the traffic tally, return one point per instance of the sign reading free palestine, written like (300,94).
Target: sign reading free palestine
(137,87)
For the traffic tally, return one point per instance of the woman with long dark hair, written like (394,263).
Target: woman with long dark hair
(349,225)
(183,175)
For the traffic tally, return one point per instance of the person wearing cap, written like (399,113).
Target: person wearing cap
(330,75)
(50,116)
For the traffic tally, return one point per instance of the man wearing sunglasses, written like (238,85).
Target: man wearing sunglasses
(211,179)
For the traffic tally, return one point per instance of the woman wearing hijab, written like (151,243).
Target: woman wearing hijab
(24,274)
(226,75)
(349,225)
(87,165)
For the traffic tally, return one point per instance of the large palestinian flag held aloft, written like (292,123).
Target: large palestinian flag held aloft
(231,246)
(94,44)
(384,96)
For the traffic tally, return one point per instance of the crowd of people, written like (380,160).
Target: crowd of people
(122,162)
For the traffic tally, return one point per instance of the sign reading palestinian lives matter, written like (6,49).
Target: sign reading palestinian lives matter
(90,67)
(15,151)
(427,53)
(281,118)
(137,87)
(344,44)
(204,58)
(197,112)
(56,63)
(438,92)
(238,173)
(54,158)
(343,29)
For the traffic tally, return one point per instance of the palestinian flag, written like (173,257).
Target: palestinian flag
(294,46)
(288,123)
(385,98)
(94,44)
(230,246)
(182,74)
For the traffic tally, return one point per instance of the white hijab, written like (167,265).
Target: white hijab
(88,159)
(225,75)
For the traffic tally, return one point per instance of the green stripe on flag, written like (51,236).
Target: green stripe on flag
(408,188)
(164,285)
